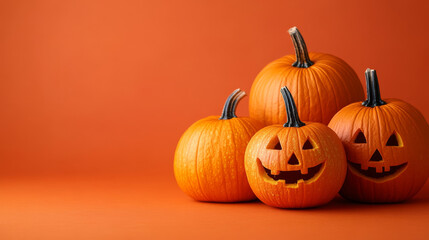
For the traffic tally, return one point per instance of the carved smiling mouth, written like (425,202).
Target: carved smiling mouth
(381,174)
(292,177)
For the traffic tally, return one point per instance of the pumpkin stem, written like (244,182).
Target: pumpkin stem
(228,111)
(237,99)
(292,113)
(373,98)
(301,52)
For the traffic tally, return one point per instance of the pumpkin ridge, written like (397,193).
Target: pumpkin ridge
(210,132)
(405,115)
(329,85)
(266,97)
(317,86)
(379,118)
(194,156)
(285,75)
(203,194)
(355,118)
(221,130)
(337,72)
(235,155)
(340,71)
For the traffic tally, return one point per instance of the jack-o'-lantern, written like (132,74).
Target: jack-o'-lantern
(385,143)
(295,165)
(209,158)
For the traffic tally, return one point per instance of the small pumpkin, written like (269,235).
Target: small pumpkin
(209,158)
(386,144)
(297,165)
(321,85)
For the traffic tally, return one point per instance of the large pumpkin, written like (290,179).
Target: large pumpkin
(296,165)
(209,158)
(321,85)
(386,144)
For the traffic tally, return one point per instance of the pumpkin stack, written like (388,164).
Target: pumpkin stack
(372,151)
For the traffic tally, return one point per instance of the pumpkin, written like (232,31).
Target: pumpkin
(209,158)
(297,165)
(321,85)
(385,142)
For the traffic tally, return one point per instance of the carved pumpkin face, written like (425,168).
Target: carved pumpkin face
(377,154)
(297,166)
(280,165)
(385,146)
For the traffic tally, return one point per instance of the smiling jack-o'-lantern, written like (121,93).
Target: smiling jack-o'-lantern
(296,165)
(385,142)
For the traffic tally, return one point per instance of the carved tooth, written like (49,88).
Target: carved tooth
(387,168)
(379,169)
(275,172)
(304,171)
(300,182)
(364,167)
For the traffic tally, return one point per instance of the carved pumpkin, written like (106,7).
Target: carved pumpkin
(296,165)
(209,158)
(386,146)
(321,85)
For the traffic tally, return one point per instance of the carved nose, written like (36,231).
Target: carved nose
(376,157)
(293,160)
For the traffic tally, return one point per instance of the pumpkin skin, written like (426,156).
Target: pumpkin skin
(209,158)
(295,165)
(385,142)
(320,86)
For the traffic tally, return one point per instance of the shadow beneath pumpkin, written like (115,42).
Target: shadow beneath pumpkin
(339,203)
(255,201)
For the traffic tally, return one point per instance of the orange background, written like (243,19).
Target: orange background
(94,96)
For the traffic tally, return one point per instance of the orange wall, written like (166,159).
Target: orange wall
(108,87)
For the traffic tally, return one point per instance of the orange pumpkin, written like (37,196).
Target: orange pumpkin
(321,85)
(209,158)
(296,165)
(385,141)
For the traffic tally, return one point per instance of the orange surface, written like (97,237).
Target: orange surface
(133,209)
(94,96)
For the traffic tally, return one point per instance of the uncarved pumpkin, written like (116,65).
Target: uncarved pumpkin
(297,165)
(209,158)
(321,85)
(386,144)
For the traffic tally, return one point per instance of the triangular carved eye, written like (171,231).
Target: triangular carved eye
(393,140)
(307,145)
(275,144)
(360,138)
